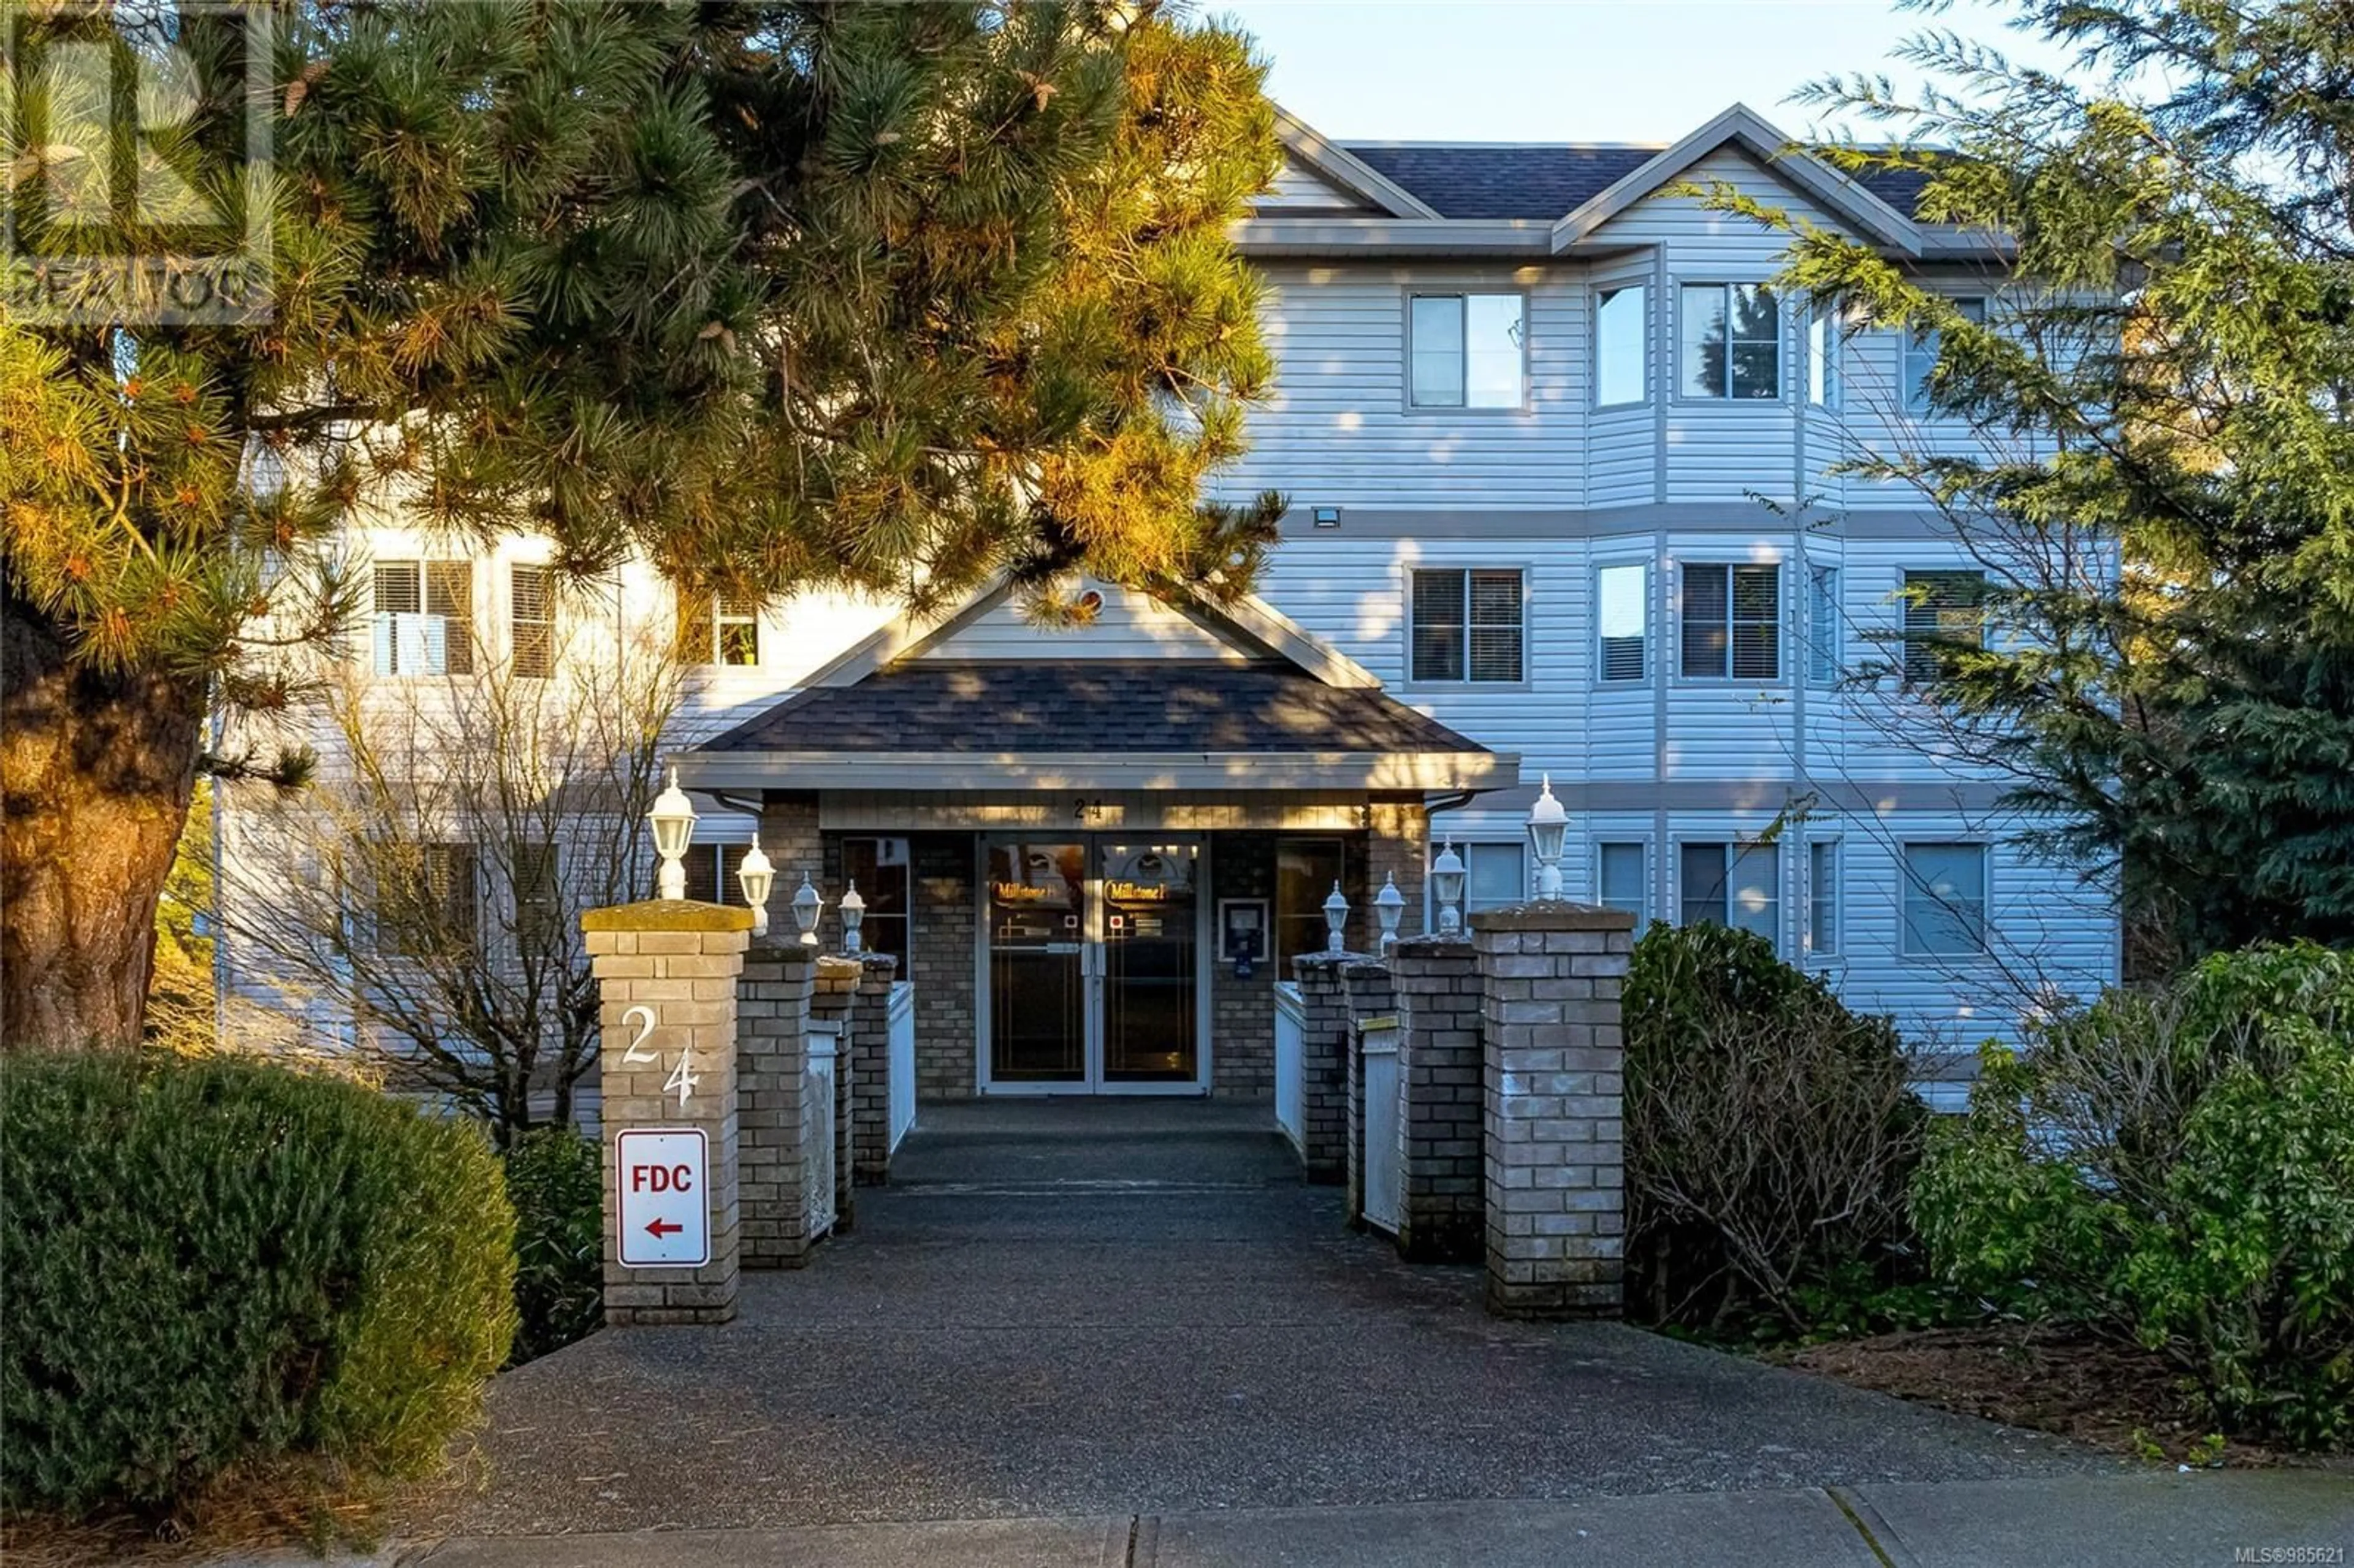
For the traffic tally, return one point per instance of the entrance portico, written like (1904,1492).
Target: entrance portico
(1095,848)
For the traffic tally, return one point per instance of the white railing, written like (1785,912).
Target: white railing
(1383,1169)
(902,1017)
(1290,1069)
(817,1129)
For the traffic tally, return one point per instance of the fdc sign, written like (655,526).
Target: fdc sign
(664,1209)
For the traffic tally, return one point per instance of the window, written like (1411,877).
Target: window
(1732,341)
(1622,880)
(1304,871)
(718,629)
(424,618)
(531,615)
(1823,627)
(1733,884)
(1944,611)
(1622,337)
(1944,899)
(879,866)
(1824,343)
(711,876)
(1467,626)
(1733,622)
(539,907)
(1496,875)
(1622,613)
(1822,898)
(425,899)
(1921,351)
(1467,351)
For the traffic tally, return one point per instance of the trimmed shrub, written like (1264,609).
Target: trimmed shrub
(220,1263)
(1769,1135)
(555,1179)
(2176,1166)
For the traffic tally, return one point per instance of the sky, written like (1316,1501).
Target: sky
(1575,70)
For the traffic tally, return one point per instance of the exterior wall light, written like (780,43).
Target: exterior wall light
(1389,906)
(672,820)
(854,910)
(807,903)
(1447,886)
(1548,826)
(756,876)
(1336,916)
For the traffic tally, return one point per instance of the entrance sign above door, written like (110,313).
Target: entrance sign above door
(663,1174)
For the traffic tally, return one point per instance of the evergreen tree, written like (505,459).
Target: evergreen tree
(2164,385)
(776,294)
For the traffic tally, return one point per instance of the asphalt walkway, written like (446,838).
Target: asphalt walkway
(1095,1312)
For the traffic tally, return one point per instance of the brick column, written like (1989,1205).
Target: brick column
(772,1004)
(1439,1099)
(1556,1212)
(1366,988)
(1323,1057)
(836,1001)
(679,960)
(870,1056)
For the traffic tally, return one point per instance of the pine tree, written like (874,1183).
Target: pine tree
(776,295)
(2164,384)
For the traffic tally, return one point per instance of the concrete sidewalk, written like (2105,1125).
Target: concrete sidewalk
(2199,1520)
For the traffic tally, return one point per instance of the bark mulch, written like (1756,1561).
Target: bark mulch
(2094,1390)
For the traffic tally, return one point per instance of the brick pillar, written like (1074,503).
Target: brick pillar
(1323,1055)
(1556,1204)
(1366,989)
(834,1003)
(772,1004)
(1439,1099)
(679,960)
(870,1056)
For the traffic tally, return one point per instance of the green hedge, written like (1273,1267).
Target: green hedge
(556,1180)
(211,1264)
(2176,1166)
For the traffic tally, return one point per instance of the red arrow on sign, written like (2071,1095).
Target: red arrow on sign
(660,1228)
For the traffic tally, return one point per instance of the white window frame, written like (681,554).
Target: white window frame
(543,667)
(1644,349)
(1475,849)
(425,641)
(1918,355)
(1926,633)
(1463,404)
(1732,848)
(1914,888)
(1642,570)
(1684,393)
(1642,846)
(1826,350)
(1824,857)
(1826,643)
(1727,675)
(710,618)
(1465,679)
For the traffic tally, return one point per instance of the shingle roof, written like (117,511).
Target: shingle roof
(1545,182)
(1091,705)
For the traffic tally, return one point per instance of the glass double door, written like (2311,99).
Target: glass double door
(1093,958)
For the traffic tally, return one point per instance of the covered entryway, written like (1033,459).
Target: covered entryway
(1092,977)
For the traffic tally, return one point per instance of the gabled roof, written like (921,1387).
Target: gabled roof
(1341,167)
(1546,179)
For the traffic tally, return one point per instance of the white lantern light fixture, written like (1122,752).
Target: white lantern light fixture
(854,911)
(1447,886)
(807,903)
(1336,916)
(1548,826)
(756,876)
(1389,906)
(672,820)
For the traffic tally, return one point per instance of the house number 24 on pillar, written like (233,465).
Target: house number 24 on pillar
(682,1079)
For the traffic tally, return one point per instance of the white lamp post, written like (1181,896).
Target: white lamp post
(1548,826)
(672,820)
(1336,916)
(1389,908)
(1447,886)
(806,901)
(854,910)
(757,877)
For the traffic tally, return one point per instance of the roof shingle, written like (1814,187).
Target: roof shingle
(1546,181)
